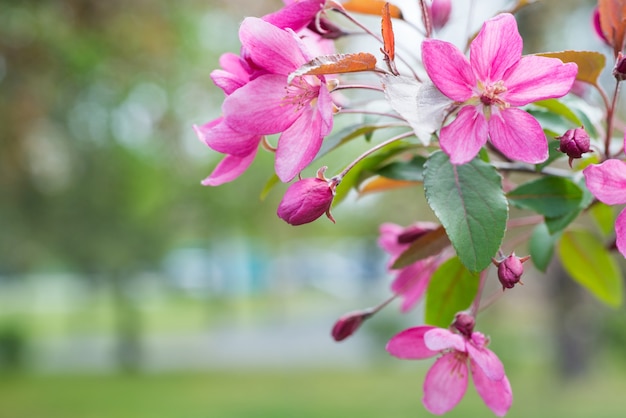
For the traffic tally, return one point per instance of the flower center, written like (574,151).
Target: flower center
(490,94)
(300,93)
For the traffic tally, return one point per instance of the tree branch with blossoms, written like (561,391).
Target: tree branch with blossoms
(473,125)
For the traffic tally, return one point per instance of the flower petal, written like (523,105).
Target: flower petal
(518,136)
(409,344)
(463,138)
(411,283)
(620,232)
(607,181)
(487,360)
(233,74)
(496,394)
(229,169)
(448,69)
(221,138)
(445,384)
(299,144)
(296,15)
(442,339)
(273,49)
(538,78)
(497,47)
(388,239)
(258,107)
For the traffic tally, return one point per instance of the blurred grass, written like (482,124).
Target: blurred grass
(304,394)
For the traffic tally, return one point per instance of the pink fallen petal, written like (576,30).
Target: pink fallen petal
(229,169)
(607,181)
(620,232)
(409,344)
(496,48)
(518,136)
(273,49)
(464,137)
(487,360)
(221,138)
(496,394)
(448,69)
(445,384)
(538,78)
(440,339)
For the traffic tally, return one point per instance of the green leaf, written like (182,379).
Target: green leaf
(273,181)
(346,134)
(405,170)
(426,245)
(549,196)
(541,246)
(604,216)
(589,263)
(452,289)
(559,223)
(469,201)
(560,109)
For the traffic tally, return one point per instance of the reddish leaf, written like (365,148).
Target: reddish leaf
(613,22)
(370,7)
(389,47)
(336,64)
(382,184)
(590,63)
(426,245)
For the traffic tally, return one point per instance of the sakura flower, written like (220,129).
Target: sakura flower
(301,111)
(490,86)
(411,281)
(607,182)
(446,381)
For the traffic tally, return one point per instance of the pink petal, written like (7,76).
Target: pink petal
(296,15)
(233,75)
(496,394)
(463,138)
(487,360)
(229,169)
(409,344)
(273,49)
(221,138)
(442,339)
(620,232)
(448,69)
(607,181)
(497,47)
(259,106)
(299,144)
(388,239)
(326,109)
(411,283)
(518,136)
(445,384)
(538,78)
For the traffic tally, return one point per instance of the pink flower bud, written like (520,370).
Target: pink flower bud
(440,13)
(598,27)
(464,323)
(349,323)
(574,143)
(307,199)
(619,71)
(510,270)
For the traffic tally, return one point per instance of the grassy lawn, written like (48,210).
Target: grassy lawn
(373,393)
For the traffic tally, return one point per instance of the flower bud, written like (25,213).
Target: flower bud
(574,143)
(464,323)
(440,13)
(598,27)
(510,270)
(619,71)
(349,323)
(307,199)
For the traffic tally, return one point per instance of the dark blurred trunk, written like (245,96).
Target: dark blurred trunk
(128,350)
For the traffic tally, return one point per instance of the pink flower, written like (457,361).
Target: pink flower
(446,381)
(296,14)
(411,281)
(440,12)
(307,199)
(301,111)
(607,182)
(490,86)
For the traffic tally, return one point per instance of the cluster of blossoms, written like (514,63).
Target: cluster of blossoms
(469,118)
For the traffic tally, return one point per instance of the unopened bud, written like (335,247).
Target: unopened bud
(349,323)
(307,199)
(510,270)
(440,13)
(597,26)
(574,143)
(619,71)
(464,323)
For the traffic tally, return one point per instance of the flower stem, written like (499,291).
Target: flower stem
(609,121)
(370,112)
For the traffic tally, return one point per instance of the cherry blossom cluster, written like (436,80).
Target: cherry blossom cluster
(478,127)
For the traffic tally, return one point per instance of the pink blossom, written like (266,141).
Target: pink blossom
(301,111)
(440,12)
(307,199)
(607,182)
(296,14)
(446,381)
(490,86)
(411,281)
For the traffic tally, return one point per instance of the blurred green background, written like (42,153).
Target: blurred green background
(129,290)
